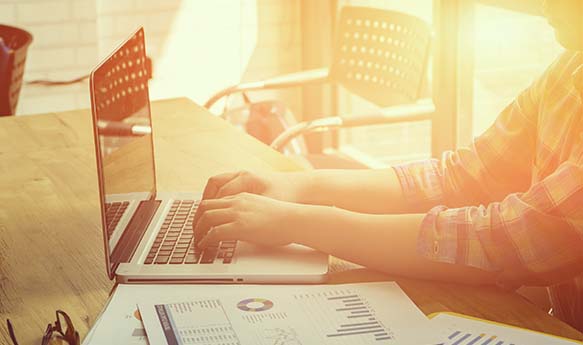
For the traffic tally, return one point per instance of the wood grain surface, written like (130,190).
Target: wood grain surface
(51,254)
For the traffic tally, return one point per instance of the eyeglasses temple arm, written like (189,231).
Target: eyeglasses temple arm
(11,332)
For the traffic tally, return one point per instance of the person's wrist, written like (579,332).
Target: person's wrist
(290,186)
(306,186)
(298,225)
(315,223)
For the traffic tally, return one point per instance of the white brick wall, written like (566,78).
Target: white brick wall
(84,9)
(88,33)
(7,13)
(116,7)
(64,47)
(40,12)
(198,47)
(64,34)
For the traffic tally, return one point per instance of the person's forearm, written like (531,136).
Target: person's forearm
(387,243)
(366,191)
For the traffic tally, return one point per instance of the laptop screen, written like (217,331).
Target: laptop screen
(123,139)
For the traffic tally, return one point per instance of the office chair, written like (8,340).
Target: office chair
(14,44)
(379,55)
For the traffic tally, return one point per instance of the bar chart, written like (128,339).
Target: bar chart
(361,318)
(462,338)
(348,316)
(459,329)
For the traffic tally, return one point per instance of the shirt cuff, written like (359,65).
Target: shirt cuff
(421,183)
(447,236)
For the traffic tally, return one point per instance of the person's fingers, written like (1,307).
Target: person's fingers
(216,182)
(210,204)
(210,219)
(223,232)
(233,187)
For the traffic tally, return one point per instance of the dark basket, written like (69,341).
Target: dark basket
(14,44)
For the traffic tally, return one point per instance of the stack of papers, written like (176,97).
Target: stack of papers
(351,314)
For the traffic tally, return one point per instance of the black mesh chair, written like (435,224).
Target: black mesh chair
(379,55)
(14,44)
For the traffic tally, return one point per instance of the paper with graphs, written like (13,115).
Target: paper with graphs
(351,314)
(458,329)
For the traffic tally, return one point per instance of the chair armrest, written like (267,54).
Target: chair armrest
(313,76)
(407,113)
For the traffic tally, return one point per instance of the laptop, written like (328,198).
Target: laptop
(148,234)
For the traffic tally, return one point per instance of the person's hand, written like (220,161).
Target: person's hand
(247,217)
(277,185)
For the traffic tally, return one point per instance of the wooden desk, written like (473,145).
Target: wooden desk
(51,254)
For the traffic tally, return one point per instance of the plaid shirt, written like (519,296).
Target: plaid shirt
(513,202)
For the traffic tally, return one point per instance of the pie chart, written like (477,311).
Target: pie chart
(255,304)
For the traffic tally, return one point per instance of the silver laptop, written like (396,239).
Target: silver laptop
(148,235)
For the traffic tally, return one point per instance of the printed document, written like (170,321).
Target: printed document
(351,314)
(458,329)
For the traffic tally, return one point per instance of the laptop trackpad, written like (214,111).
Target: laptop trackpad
(290,255)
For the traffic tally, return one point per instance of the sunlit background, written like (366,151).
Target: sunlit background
(510,49)
(199,47)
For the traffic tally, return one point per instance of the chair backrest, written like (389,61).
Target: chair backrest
(381,55)
(14,44)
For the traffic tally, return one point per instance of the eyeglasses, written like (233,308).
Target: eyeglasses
(68,334)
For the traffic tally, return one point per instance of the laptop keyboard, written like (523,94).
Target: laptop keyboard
(113,213)
(174,243)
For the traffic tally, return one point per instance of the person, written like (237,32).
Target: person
(506,210)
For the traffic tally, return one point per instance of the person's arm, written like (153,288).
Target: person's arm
(530,238)
(367,191)
(387,243)
(383,242)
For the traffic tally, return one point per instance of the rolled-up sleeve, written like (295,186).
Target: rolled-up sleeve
(498,162)
(533,237)
(483,209)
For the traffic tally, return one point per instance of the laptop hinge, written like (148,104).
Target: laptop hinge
(134,231)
